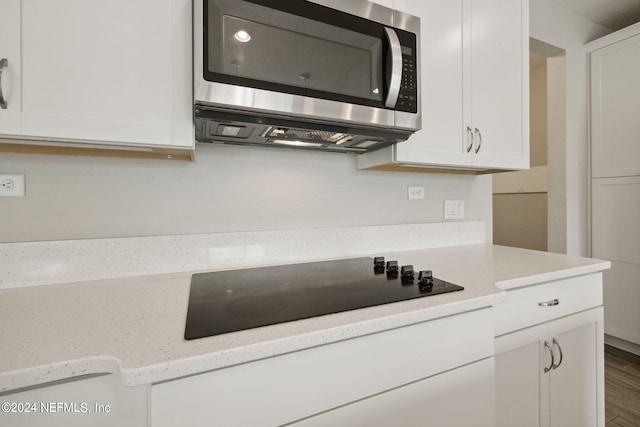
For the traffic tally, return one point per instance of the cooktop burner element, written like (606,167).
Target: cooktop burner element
(235,300)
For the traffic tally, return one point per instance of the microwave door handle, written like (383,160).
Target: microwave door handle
(396,67)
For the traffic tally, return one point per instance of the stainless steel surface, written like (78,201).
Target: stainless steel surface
(557,344)
(396,67)
(410,23)
(479,139)
(551,366)
(551,303)
(3,103)
(264,101)
(362,8)
(469,139)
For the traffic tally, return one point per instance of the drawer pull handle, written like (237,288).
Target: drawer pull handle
(552,365)
(555,342)
(549,303)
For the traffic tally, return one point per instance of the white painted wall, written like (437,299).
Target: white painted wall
(557,154)
(538,115)
(244,189)
(559,27)
(227,189)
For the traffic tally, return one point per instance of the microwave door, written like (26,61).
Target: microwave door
(301,48)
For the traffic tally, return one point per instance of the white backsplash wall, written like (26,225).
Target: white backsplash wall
(43,263)
(226,189)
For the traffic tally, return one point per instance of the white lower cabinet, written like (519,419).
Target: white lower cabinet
(95,401)
(462,397)
(420,373)
(518,386)
(551,373)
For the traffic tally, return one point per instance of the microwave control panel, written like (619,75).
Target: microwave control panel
(408,95)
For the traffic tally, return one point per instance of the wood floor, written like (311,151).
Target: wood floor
(622,388)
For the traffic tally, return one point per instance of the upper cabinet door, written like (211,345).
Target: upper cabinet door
(474,88)
(615,102)
(443,139)
(499,40)
(107,71)
(10,66)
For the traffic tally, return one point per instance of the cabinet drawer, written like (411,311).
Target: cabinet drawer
(523,306)
(435,401)
(293,386)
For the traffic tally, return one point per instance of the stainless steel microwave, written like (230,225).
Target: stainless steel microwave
(322,74)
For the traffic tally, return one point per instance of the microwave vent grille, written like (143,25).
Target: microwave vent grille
(308,135)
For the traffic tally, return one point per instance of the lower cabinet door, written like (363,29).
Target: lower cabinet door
(518,387)
(299,385)
(552,374)
(461,397)
(572,384)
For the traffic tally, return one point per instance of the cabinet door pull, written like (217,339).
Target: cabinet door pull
(551,303)
(555,366)
(3,103)
(551,366)
(479,134)
(470,139)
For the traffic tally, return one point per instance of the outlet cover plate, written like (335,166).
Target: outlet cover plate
(415,193)
(11,185)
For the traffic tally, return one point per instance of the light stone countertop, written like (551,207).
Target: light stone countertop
(134,326)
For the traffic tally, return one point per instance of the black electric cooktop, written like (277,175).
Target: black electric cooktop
(235,300)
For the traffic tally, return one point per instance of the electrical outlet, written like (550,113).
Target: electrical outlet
(11,185)
(454,209)
(415,193)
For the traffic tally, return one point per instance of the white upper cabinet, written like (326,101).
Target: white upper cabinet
(10,66)
(105,72)
(441,140)
(499,113)
(474,86)
(615,102)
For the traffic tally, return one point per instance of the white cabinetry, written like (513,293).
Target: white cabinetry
(474,87)
(435,401)
(96,401)
(102,73)
(499,50)
(550,365)
(615,173)
(615,103)
(431,367)
(10,67)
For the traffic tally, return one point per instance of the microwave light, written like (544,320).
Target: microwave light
(296,143)
(242,36)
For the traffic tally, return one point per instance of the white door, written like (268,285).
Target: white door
(573,396)
(98,70)
(518,387)
(442,138)
(498,86)
(10,55)
(461,397)
(615,103)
